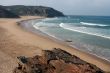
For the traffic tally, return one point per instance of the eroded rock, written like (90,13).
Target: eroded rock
(55,61)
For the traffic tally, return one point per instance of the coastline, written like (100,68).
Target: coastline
(66,41)
(88,58)
(30,27)
(16,41)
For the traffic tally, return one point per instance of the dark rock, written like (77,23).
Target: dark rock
(68,40)
(60,54)
(23,59)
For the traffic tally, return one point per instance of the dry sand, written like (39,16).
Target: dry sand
(16,41)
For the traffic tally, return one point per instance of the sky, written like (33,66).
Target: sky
(69,7)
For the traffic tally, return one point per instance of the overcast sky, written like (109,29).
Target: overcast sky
(70,7)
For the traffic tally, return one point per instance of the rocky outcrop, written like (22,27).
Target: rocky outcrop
(7,14)
(55,61)
(34,11)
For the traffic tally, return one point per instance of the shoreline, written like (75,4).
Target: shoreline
(67,45)
(37,31)
(68,42)
(16,41)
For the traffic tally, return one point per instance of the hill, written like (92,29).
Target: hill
(22,10)
(7,14)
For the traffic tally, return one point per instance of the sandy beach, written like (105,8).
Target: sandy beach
(17,41)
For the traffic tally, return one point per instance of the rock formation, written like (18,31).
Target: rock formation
(55,61)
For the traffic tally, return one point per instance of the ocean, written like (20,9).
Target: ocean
(86,33)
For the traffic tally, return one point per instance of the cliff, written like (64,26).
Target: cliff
(55,61)
(22,10)
(7,14)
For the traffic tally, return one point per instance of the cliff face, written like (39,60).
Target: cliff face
(55,61)
(7,14)
(34,11)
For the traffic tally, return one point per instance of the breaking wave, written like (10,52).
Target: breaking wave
(93,24)
(64,26)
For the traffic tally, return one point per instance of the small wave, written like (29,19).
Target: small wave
(46,33)
(46,25)
(93,24)
(35,27)
(48,19)
(80,31)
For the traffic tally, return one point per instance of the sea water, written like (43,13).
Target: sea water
(87,33)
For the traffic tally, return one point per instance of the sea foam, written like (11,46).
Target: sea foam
(64,26)
(93,24)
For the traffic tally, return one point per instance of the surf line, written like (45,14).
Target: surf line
(64,27)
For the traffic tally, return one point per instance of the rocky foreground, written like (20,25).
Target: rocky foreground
(54,61)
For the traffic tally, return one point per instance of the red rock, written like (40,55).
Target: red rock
(56,61)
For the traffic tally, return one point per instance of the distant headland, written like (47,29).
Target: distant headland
(16,11)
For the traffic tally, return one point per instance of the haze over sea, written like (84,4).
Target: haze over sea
(87,33)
